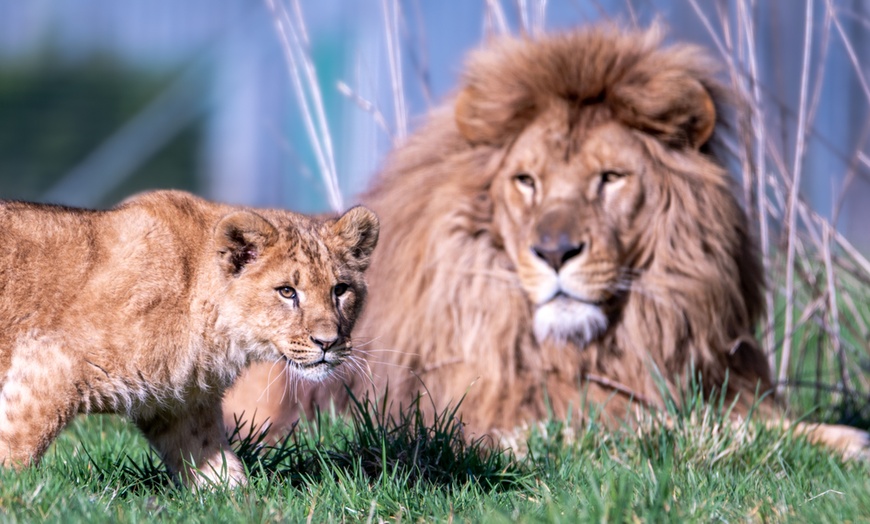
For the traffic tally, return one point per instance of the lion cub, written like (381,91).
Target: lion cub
(153,308)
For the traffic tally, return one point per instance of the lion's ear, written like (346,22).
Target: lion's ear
(468,121)
(700,126)
(490,118)
(358,230)
(240,238)
(678,109)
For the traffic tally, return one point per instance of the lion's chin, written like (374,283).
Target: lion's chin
(563,319)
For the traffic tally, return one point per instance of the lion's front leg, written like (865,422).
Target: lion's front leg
(194,445)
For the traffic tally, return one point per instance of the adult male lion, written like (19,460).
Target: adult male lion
(562,232)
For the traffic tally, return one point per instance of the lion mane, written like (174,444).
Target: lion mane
(446,301)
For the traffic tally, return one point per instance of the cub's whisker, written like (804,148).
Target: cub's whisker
(268,387)
(373,351)
(358,345)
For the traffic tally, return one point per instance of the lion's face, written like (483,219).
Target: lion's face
(577,123)
(294,293)
(568,213)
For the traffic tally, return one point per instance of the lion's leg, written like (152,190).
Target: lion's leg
(194,445)
(848,441)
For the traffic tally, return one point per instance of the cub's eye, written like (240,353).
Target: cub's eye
(611,176)
(287,292)
(525,180)
(340,289)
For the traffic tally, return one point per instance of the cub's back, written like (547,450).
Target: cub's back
(45,255)
(64,269)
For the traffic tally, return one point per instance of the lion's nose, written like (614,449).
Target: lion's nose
(324,343)
(558,255)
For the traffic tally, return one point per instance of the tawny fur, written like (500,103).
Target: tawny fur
(153,308)
(602,138)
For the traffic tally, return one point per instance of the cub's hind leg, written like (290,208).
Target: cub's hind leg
(193,444)
(38,398)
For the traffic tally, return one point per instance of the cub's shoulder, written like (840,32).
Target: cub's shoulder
(163,198)
(176,209)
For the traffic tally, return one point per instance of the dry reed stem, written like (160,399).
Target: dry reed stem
(539,16)
(850,50)
(495,16)
(391,30)
(735,46)
(833,316)
(523,9)
(777,195)
(793,195)
(532,16)
(632,15)
(759,133)
(619,387)
(367,106)
(294,44)
(331,174)
(421,58)
(711,32)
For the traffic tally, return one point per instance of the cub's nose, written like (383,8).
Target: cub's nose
(557,254)
(325,344)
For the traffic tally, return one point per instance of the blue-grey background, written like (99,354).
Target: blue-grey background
(100,99)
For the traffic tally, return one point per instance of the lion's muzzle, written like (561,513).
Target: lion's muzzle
(558,239)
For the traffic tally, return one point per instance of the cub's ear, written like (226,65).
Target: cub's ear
(358,231)
(675,107)
(240,238)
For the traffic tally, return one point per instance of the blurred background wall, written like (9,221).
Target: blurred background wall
(100,99)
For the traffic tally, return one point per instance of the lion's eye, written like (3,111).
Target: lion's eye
(525,179)
(611,176)
(287,292)
(340,289)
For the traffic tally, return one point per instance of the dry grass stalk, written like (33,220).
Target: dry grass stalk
(394,56)
(759,133)
(793,195)
(367,106)
(523,10)
(816,298)
(850,50)
(495,18)
(833,317)
(533,15)
(294,43)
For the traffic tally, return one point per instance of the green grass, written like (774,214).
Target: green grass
(372,467)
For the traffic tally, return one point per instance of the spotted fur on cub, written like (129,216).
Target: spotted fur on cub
(153,308)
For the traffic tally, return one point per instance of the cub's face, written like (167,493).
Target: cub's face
(295,287)
(568,214)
